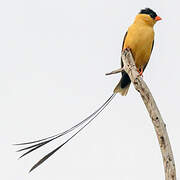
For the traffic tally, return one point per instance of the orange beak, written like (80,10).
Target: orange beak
(157,18)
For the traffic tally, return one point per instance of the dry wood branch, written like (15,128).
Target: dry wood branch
(159,125)
(115,71)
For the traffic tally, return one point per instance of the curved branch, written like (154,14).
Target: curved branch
(159,125)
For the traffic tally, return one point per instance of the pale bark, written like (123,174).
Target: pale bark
(115,71)
(159,125)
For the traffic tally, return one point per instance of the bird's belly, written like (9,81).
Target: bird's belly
(141,54)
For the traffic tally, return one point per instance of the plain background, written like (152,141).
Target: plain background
(53,58)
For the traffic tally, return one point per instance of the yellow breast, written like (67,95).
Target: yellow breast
(140,39)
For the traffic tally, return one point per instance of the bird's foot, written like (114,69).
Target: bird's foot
(140,71)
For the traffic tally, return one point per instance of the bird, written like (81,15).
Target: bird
(139,38)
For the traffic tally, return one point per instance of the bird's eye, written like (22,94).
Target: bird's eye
(152,15)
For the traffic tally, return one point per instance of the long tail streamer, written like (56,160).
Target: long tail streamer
(38,143)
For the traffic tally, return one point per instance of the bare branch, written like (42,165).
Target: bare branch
(115,71)
(159,125)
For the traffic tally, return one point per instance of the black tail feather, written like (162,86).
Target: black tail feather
(44,141)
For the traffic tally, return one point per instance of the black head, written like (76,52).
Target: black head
(149,12)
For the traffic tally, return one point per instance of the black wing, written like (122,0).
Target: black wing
(123,47)
(125,80)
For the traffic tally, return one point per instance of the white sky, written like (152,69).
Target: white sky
(54,54)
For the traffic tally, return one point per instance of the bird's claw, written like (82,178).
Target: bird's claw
(140,71)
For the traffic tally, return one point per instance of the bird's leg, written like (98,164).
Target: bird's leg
(140,71)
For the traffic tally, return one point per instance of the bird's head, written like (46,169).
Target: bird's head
(148,16)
